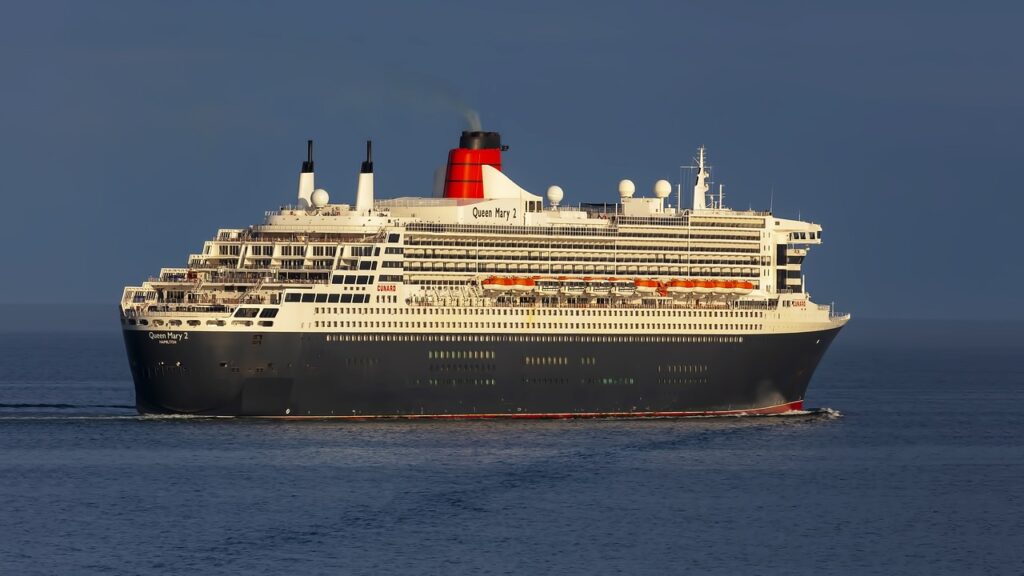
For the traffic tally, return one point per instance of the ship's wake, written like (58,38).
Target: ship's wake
(65,411)
(60,411)
(823,413)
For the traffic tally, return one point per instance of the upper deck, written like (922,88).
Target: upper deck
(434,249)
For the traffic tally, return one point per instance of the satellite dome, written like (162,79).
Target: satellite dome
(662,189)
(626,188)
(320,198)
(555,195)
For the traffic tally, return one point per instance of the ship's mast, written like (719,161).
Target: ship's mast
(700,188)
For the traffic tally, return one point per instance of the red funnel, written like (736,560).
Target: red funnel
(464,177)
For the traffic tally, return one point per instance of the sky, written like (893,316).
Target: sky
(132,131)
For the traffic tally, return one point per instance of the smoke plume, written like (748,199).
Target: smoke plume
(472,118)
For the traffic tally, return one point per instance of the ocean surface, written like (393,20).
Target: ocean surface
(909,461)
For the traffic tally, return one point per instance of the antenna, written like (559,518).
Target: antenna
(701,185)
(679,192)
(771,201)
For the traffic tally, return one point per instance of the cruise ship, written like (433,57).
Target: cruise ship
(484,300)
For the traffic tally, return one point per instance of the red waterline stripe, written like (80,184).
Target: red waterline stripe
(777,409)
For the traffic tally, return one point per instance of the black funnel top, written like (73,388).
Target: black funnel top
(367,167)
(307,166)
(475,140)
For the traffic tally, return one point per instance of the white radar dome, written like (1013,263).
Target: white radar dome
(555,195)
(626,188)
(662,189)
(320,198)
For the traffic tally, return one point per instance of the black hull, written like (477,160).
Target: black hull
(310,375)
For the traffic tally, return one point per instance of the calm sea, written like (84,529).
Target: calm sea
(911,461)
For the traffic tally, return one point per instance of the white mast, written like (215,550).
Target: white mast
(701,187)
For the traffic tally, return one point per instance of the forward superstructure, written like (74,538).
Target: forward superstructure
(483,300)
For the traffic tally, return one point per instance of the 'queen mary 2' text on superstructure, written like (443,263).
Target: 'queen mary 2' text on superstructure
(483,301)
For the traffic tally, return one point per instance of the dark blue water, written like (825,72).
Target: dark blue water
(920,472)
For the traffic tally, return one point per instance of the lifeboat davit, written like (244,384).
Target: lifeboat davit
(572,286)
(622,287)
(646,286)
(598,286)
(547,286)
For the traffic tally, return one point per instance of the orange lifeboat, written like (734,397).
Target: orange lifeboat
(523,284)
(743,287)
(678,287)
(703,287)
(647,286)
(493,284)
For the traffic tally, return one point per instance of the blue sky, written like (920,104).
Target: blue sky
(133,130)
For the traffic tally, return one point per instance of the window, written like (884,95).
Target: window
(246,312)
(268,313)
(321,297)
(293,297)
(309,297)
(332,298)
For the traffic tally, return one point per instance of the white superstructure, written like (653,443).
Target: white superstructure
(507,262)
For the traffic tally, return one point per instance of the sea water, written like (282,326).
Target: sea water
(908,461)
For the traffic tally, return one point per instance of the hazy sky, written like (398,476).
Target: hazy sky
(131,131)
